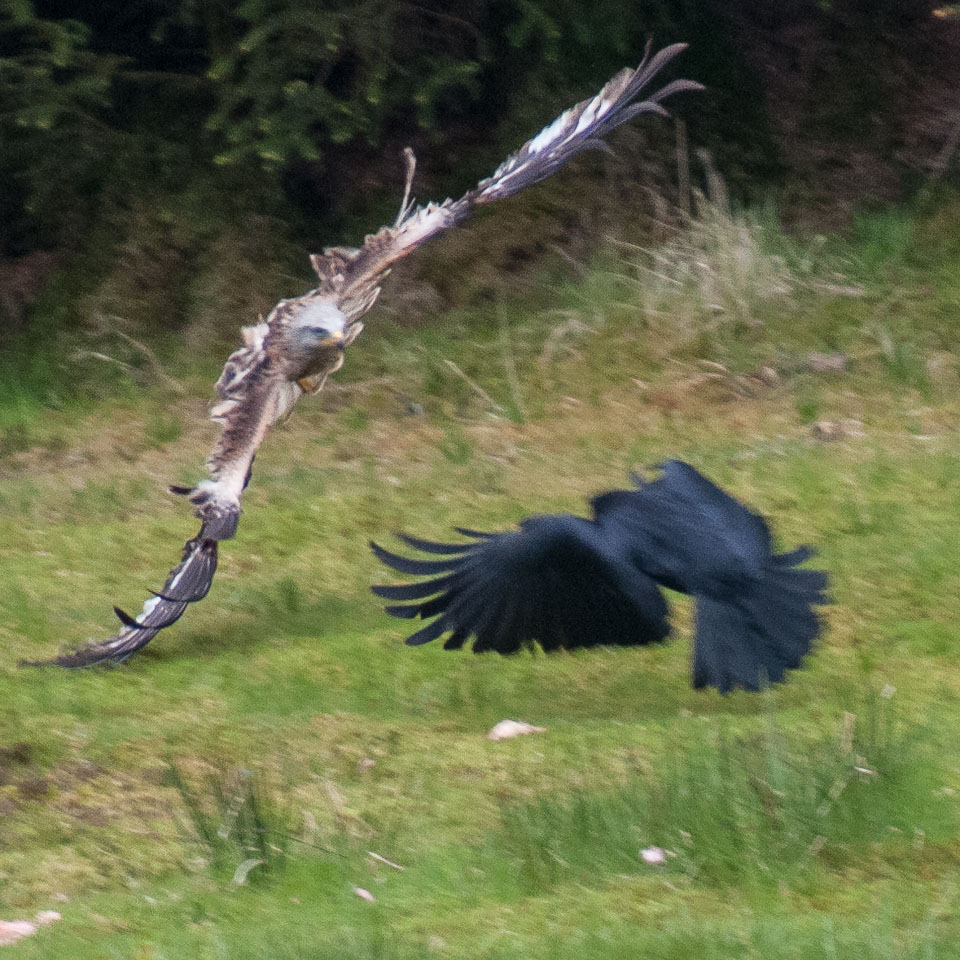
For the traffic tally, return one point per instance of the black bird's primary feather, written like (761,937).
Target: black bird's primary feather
(553,582)
(567,582)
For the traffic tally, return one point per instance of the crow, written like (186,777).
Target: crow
(565,582)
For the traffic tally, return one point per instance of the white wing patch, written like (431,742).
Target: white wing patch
(547,135)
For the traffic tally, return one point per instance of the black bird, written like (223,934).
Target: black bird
(567,582)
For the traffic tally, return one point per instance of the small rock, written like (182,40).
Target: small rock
(13,930)
(826,362)
(506,729)
(653,855)
(364,894)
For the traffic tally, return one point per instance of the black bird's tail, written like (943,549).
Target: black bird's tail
(751,637)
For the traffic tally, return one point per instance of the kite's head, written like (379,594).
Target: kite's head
(319,326)
(316,336)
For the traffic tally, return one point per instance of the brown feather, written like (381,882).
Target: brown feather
(353,277)
(250,414)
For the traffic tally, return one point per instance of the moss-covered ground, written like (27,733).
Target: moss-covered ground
(281,732)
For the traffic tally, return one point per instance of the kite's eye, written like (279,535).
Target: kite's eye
(322,336)
(333,337)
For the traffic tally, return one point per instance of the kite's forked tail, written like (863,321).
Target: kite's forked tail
(188,582)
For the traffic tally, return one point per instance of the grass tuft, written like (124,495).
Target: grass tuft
(243,830)
(735,810)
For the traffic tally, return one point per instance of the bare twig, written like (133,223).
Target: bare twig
(379,859)
(578,268)
(153,360)
(96,355)
(474,385)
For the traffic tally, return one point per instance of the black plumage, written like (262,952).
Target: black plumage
(565,582)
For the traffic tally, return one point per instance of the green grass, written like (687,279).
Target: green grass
(733,809)
(220,795)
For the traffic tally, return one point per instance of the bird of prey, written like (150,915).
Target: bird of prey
(567,582)
(302,340)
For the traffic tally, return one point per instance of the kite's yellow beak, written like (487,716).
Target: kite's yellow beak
(333,339)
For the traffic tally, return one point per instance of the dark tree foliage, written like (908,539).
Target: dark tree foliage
(54,96)
(97,97)
(282,107)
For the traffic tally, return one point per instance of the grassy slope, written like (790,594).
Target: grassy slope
(529,847)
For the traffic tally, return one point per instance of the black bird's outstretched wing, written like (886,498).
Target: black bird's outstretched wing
(754,616)
(552,581)
(684,531)
(188,582)
(568,582)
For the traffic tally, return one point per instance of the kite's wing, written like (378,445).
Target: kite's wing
(551,581)
(755,617)
(354,276)
(188,582)
(252,395)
